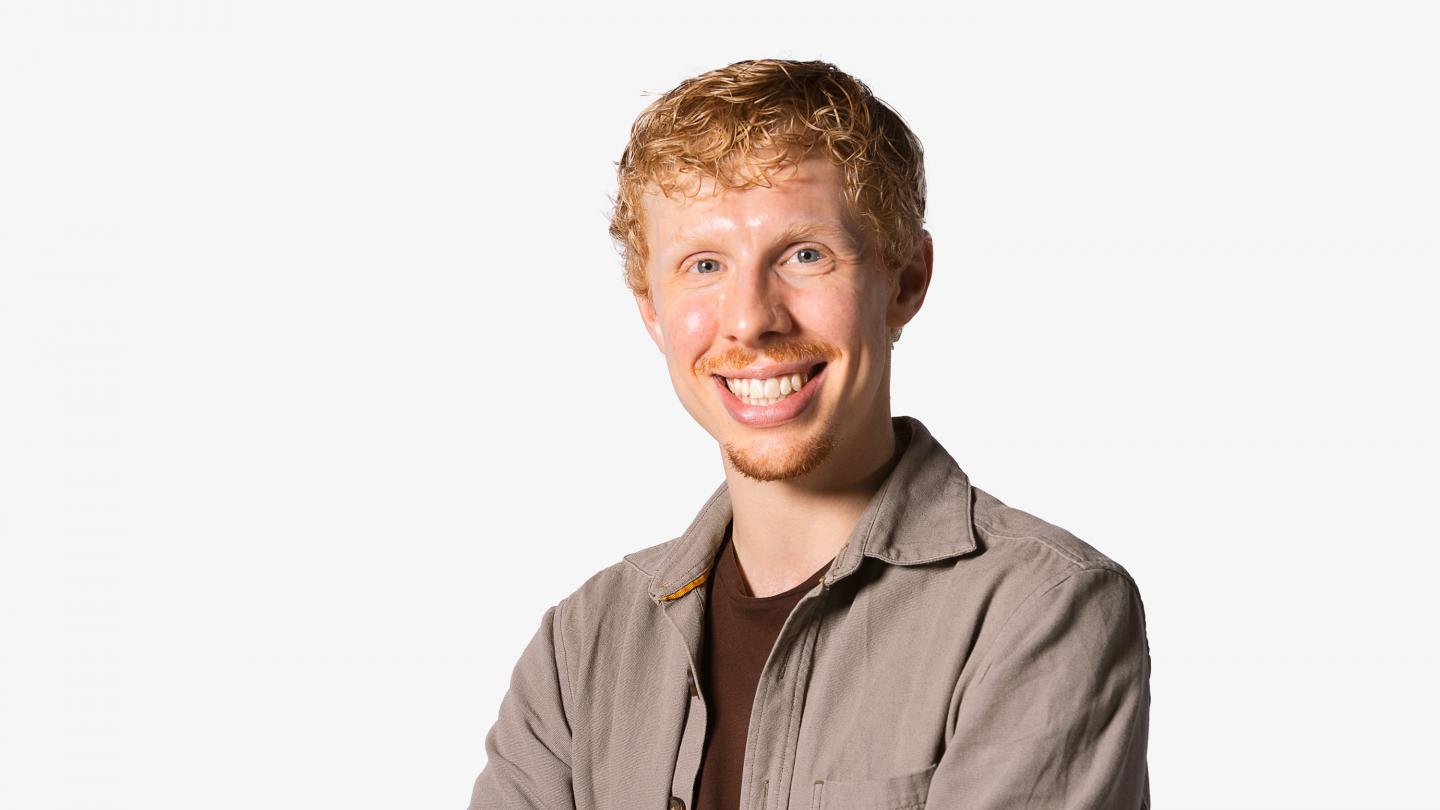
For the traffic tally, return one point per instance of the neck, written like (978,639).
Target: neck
(784,531)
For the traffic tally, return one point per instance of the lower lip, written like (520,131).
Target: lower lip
(767,415)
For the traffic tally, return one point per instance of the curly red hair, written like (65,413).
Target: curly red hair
(741,122)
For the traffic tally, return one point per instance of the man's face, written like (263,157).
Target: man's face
(754,292)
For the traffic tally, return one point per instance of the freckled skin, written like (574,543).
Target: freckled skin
(747,275)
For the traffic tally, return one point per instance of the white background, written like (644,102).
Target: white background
(318,381)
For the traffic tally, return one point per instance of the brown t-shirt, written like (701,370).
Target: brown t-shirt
(740,630)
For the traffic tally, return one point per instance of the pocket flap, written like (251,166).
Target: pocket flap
(904,792)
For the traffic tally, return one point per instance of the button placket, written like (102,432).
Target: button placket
(686,615)
(775,718)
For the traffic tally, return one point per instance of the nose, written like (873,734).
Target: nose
(754,307)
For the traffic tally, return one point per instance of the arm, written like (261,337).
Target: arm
(528,748)
(1059,714)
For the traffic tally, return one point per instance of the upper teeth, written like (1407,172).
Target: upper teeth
(753,391)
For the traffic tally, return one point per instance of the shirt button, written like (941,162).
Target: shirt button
(676,804)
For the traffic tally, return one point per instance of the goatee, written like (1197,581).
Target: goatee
(792,462)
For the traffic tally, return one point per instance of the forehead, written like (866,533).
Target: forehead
(811,190)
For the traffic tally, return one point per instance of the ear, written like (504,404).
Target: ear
(907,290)
(651,319)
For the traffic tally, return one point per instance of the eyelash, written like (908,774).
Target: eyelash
(818,251)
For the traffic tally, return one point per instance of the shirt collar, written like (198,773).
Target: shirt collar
(921,513)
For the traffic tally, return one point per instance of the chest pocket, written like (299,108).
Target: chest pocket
(906,792)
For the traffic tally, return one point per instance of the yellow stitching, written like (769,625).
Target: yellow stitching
(688,587)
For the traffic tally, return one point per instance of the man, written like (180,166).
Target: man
(848,622)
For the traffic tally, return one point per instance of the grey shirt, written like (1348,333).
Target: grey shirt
(957,654)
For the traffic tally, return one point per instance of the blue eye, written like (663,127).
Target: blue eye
(705,266)
(812,254)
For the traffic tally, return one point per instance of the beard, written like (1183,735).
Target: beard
(783,463)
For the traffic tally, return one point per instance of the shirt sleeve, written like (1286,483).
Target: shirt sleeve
(1059,715)
(528,747)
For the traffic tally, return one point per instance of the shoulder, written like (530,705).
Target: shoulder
(1050,584)
(1043,551)
(632,572)
(622,586)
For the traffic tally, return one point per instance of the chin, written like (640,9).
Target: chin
(769,460)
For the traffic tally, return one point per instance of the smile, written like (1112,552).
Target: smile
(769,398)
(766,390)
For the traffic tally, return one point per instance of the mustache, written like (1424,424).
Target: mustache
(789,352)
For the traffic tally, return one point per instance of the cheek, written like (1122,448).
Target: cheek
(836,318)
(689,328)
(696,325)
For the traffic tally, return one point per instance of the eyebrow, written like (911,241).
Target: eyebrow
(800,231)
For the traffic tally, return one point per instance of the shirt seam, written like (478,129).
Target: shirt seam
(565,672)
(1082,563)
